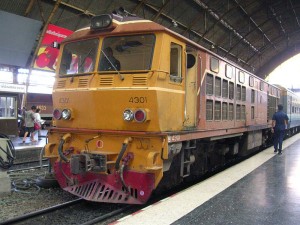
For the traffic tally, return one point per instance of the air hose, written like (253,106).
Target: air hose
(61,145)
(10,153)
(121,154)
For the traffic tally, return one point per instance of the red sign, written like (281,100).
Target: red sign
(47,56)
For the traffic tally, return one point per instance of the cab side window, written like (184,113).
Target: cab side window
(175,62)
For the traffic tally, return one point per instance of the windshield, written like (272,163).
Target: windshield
(127,53)
(79,57)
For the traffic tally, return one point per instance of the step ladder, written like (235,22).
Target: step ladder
(187,158)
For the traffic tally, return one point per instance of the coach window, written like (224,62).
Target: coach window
(251,81)
(214,65)
(229,71)
(241,77)
(218,86)
(225,89)
(175,62)
(209,110)
(209,84)
(217,110)
(8,106)
(231,90)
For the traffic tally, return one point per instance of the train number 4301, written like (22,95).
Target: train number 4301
(138,99)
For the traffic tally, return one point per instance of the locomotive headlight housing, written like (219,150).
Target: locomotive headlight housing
(57,114)
(101,22)
(128,115)
(66,114)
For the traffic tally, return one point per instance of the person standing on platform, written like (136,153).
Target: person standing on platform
(279,125)
(39,121)
(29,123)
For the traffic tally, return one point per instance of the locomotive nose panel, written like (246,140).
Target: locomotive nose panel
(106,188)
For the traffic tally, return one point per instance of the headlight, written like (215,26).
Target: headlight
(128,115)
(66,114)
(57,114)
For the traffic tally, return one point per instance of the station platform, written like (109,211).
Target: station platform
(29,151)
(264,189)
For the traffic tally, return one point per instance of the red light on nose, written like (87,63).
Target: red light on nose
(140,115)
(57,114)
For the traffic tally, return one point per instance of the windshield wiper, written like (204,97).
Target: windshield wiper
(113,66)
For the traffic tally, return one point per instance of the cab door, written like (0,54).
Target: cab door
(192,61)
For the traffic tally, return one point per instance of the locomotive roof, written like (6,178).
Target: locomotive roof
(133,24)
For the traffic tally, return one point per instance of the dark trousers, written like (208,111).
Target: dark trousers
(278,139)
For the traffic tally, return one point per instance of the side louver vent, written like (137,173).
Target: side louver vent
(139,80)
(61,84)
(83,82)
(106,81)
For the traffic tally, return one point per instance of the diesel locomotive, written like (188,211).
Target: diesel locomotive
(140,108)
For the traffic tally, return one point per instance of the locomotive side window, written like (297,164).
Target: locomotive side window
(225,89)
(252,112)
(175,62)
(218,86)
(214,64)
(209,110)
(217,110)
(231,90)
(229,71)
(243,112)
(209,84)
(241,77)
(238,92)
(238,112)
(79,57)
(230,112)
(252,96)
(243,93)
(126,53)
(261,86)
(251,81)
(224,110)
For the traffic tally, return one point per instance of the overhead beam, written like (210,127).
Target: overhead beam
(225,23)
(160,10)
(196,33)
(29,7)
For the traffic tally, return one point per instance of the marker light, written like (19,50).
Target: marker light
(57,114)
(101,22)
(66,114)
(128,115)
(140,115)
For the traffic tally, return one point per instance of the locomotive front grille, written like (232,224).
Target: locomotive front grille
(61,84)
(83,83)
(139,80)
(106,81)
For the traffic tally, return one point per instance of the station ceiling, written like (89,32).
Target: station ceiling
(256,34)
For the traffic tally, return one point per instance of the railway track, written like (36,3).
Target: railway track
(76,211)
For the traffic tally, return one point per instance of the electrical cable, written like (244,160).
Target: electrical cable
(9,151)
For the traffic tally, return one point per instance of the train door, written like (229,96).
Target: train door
(190,113)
